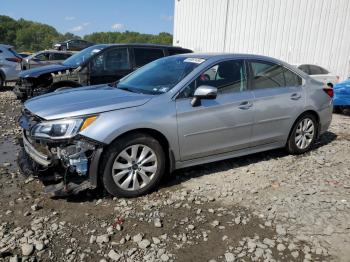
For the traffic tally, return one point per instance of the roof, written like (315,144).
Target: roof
(54,51)
(142,45)
(6,46)
(218,56)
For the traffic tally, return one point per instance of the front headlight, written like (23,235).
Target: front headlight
(61,129)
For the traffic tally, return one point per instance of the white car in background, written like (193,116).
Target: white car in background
(9,60)
(319,73)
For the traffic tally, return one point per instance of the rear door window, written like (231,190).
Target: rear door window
(291,78)
(146,55)
(267,75)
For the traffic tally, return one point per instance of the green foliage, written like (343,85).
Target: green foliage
(129,37)
(32,36)
(29,36)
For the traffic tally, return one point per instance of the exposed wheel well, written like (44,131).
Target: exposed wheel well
(64,84)
(312,112)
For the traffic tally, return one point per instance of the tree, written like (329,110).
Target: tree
(27,35)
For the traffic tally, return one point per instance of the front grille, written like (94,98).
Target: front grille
(42,148)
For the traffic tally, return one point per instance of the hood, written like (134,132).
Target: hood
(84,101)
(36,72)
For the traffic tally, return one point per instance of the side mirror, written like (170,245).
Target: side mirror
(203,92)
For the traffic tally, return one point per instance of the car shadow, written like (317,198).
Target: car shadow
(6,88)
(181,175)
(185,174)
(345,112)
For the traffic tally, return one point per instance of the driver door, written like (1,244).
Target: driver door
(221,125)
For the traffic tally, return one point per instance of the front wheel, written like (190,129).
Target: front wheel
(133,165)
(303,135)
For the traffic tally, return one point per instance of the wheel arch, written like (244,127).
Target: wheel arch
(309,111)
(160,137)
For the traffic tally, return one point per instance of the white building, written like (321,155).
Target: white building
(296,31)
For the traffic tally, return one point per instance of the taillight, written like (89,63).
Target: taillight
(14,59)
(329,91)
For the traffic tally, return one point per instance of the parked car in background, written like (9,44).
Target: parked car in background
(97,64)
(25,54)
(341,99)
(72,45)
(45,57)
(319,73)
(9,61)
(166,115)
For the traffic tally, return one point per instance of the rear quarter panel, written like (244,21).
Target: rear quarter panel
(320,102)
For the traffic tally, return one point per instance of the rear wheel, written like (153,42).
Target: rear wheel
(303,134)
(133,165)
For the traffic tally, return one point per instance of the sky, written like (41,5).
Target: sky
(84,16)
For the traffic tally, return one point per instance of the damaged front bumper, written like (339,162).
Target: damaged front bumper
(65,167)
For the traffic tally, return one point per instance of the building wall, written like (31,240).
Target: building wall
(296,31)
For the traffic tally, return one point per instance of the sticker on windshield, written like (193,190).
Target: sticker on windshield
(163,89)
(95,51)
(194,60)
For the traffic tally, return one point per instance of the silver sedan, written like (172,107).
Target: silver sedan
(175,112)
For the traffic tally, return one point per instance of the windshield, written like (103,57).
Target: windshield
(159,76)
(79,58)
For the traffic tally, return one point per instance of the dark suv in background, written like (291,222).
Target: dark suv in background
(72,45)
(98,64)
(43,58)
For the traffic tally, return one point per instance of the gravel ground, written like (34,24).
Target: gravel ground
(264,207)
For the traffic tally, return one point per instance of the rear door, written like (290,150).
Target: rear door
(216,126)
(145,55)
(110,65)
(278,100)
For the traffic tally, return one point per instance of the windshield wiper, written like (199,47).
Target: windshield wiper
(127,89)
(113,84)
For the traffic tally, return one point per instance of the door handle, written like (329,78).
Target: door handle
(295,96)
(245,105)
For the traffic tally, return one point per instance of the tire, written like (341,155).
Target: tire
(63,48)
(337,109)
(296,146)
(129,177)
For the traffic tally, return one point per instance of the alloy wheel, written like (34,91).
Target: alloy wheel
(134,167)
(304,133)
